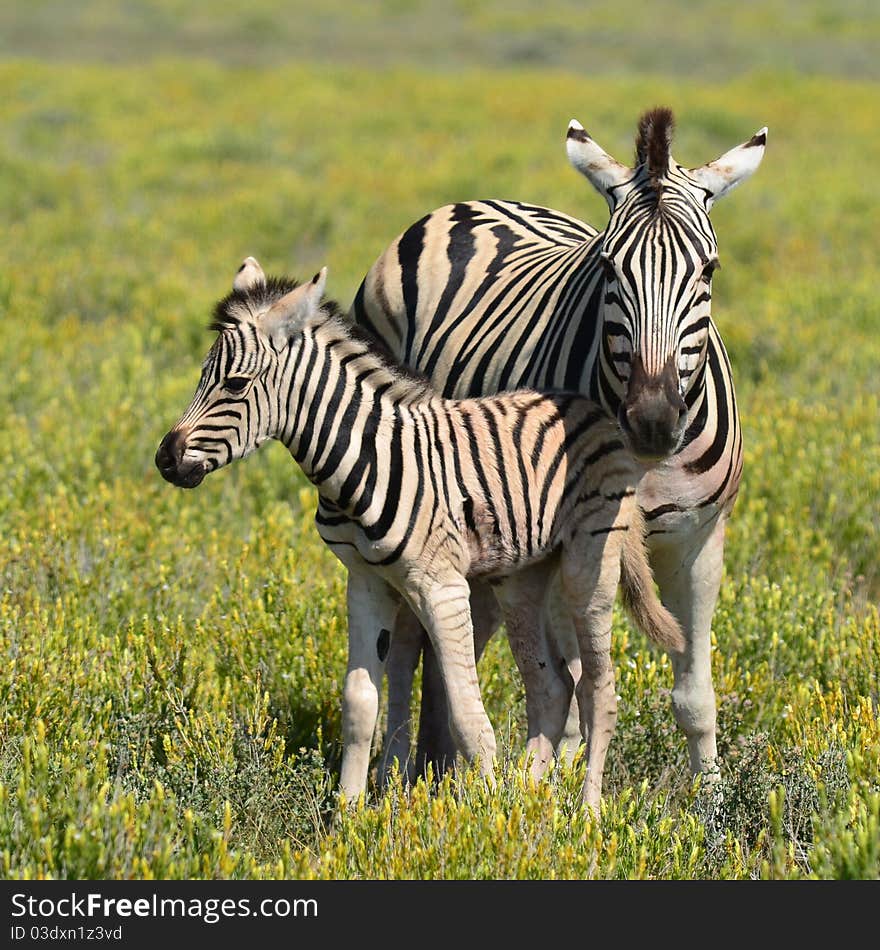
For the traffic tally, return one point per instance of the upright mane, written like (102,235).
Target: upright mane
(240,305)
(653,142)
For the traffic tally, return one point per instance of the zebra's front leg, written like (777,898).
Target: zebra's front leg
(372,606)
(590,575)
(443,606)
(689,582)
(435,745)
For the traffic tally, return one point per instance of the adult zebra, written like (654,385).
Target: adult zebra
(484,296)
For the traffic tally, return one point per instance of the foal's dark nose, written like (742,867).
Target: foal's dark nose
(170,454)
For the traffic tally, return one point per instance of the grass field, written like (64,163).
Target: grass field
(170,691)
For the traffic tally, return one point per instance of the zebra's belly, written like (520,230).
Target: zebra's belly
(398,557)
(492,555)
(356,550)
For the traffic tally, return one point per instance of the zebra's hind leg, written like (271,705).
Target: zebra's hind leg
(372,606)
(435,745)
(443,606)
(548,683)
(590,575)
(689,582)
(562,638)
(403,658)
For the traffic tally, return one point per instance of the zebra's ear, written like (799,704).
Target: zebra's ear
(731,169)
(287,315)
(248,275)
(607,175)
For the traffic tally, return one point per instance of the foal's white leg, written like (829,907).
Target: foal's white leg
(435,745)
(444,610)
(689,581)
(372,606)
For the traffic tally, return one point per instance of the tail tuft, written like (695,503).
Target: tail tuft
(639,594)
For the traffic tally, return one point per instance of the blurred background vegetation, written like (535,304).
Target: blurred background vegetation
(170,691)
(697,39)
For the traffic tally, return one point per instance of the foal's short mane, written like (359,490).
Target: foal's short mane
(654,141)
(238,305)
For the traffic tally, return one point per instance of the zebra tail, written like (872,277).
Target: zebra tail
(639,594)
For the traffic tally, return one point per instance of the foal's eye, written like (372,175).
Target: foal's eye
(236,384)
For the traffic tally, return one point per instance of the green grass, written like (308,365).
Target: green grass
(170,691)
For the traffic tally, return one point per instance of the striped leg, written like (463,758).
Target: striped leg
(444,611)
(372,606)
(435,744)
(547,681)
(590,574)
(689,579)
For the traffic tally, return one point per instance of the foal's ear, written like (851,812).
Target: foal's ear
(287,315)
(248,275)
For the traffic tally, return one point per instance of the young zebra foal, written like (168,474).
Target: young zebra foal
(419,493)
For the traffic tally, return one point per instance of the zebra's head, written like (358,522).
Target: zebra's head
(234,409)
(658,254)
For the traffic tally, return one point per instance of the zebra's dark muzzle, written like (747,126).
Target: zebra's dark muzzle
(653,415)
(169,461)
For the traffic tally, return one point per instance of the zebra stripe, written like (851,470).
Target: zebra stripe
(537,318)
(486,296)
(423,493)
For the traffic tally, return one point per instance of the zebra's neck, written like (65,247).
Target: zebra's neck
(344,405)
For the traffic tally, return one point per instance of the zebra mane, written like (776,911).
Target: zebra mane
(239,306)
(653,142)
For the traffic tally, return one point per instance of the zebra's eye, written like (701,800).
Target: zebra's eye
(236,384)
(709,269)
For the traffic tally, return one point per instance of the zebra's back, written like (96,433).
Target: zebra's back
(488,296)
(459,297)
